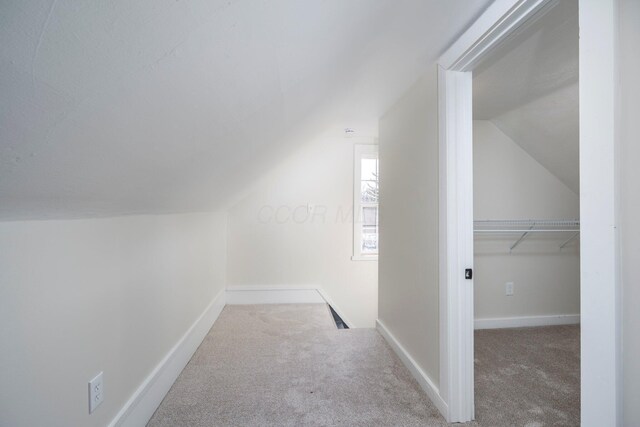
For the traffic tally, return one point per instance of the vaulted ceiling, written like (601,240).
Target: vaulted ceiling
(152,106)
(529,89)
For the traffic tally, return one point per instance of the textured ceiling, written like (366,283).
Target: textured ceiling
(152,106)
(529,89)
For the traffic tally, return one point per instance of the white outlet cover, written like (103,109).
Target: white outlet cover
(96,392)
(508,289)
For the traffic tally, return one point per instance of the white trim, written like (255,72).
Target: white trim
(270,288)
(528,321)
(421,376)
(500,20)
(297,294)
(146,399)
(360,151)
(283,294)
(601,382)
(456,243)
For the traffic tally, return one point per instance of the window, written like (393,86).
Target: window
(365,203)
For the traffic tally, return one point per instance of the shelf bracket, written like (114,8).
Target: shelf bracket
(526,233)
(570,239)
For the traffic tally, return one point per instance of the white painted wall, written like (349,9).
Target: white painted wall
(83,296)
(192,100)
(528,87)
(408,264)
(629,199)
(274,240)
(510,184)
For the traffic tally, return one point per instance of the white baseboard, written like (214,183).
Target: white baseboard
(283,294)
(522,322)
(146,399)
(273,295)
(423,379)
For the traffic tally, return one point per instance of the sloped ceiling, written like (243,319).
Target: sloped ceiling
(529,89)
(152,106)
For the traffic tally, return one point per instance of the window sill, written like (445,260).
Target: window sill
(364,258)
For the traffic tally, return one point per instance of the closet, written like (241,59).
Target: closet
(527,224)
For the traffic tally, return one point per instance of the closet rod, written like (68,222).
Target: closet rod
(526,227)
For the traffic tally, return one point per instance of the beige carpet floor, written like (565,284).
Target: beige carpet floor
(528,376)
(288,365)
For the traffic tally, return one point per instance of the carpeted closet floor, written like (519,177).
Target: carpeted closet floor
(528,376)
(288,365)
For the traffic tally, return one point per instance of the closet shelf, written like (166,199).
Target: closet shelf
(526,227)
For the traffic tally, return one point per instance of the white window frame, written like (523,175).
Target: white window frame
(361,151)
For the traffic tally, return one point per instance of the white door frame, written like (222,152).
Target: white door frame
(600,332)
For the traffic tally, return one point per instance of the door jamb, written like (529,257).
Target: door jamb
(502,19)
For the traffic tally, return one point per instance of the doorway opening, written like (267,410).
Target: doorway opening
(598,283)
(526,208)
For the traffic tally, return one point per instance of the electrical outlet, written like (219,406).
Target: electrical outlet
(96,392)
(508,289)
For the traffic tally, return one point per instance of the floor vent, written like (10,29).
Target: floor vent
(339,322)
